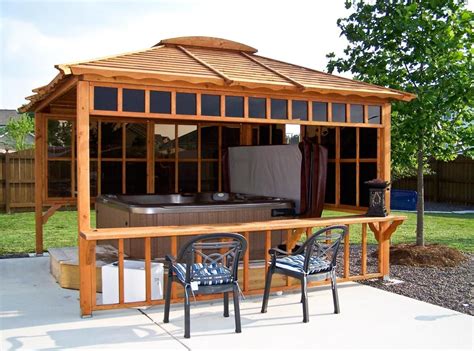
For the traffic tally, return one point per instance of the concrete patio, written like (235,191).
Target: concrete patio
(37,314)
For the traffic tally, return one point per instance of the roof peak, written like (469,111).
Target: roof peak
(208,42)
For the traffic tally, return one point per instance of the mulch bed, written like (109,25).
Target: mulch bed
(450,287)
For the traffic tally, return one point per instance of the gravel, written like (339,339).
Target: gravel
(449,287)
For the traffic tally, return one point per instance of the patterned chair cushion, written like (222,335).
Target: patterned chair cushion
(205,274)
(295,263)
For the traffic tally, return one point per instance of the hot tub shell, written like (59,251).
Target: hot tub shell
(113,211)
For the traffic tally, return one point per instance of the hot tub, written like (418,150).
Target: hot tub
(114,211)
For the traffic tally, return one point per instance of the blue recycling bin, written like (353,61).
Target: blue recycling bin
(403,200)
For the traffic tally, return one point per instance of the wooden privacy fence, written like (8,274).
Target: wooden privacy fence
(451,182)
(253,277)
(17,180)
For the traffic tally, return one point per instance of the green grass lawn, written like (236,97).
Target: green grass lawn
(17,231)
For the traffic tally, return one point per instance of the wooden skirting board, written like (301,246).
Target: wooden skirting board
(64,267)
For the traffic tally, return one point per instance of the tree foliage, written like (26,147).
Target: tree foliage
(17,130)
(424,47)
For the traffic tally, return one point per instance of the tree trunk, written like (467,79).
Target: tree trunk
(420,210)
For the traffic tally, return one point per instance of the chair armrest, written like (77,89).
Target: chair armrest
(274,251)
(170,258)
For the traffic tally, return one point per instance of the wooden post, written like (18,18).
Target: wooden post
(386,152)
(86,248)
(7,184)
(39,172)
(384,247)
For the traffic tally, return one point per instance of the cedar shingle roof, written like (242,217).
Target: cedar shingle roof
(217,61)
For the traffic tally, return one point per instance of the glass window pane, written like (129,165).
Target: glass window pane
(165,146)
(367,171)
(111,177)
(136,140)
(348,142)
(160,101)
(368,143)
(348,184)
(279,109)
(105,98)
(59,178)
(136,177)
(187,177)
(93,138)
(209,176)
(164,177)
(234,106)
(338,112)
(299,110)
(210,105)
(320,111)
(133,100)
(375,114)
(185,103)
(357,113)
(187,141)
(257,107)
(111,139)
(209,142)
(59,138)
(331,184)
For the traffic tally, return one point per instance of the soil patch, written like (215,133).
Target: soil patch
(432,255)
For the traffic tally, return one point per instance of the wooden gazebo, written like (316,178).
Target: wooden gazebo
(157,120)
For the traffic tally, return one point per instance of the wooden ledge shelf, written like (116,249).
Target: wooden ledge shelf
(166,231)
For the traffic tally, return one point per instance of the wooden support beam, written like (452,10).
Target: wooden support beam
(6,180)
(86,248)
(39,177)
(52,210)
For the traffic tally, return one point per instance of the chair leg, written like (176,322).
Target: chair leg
(304,297)
(266,294)
(226,304)
(166,318)
(238,327)
(334,292)
(187,313)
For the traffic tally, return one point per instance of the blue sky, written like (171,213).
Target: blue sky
(36,35)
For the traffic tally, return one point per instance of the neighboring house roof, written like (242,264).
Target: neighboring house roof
(216,61)
(5,116)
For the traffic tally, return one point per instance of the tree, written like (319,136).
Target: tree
(424,47)
(17,130)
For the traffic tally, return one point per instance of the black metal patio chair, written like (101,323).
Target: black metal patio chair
(314,260)
(217,273)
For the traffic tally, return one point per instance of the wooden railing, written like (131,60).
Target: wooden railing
(382,227)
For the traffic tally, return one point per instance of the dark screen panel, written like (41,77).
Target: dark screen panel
(136,140)
(338,112)
(111,139)
(320,111)
(279,109)
(278,134)
(367,171)
(59,138)
(188,175)
(136,178)
(59,178)
(328,139)
(160,101)
(348,184)
(164,177)
(93,138)
(209,176)
(185,103)
(133,100)
(230,136)
(105,98)
(331,184)
(368,143)
(357,113)
(348,142)
(234,106)
(375,114)
(210,105)
(111,177)
(257,107)
(264,134)
(210,142)
(299,110)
